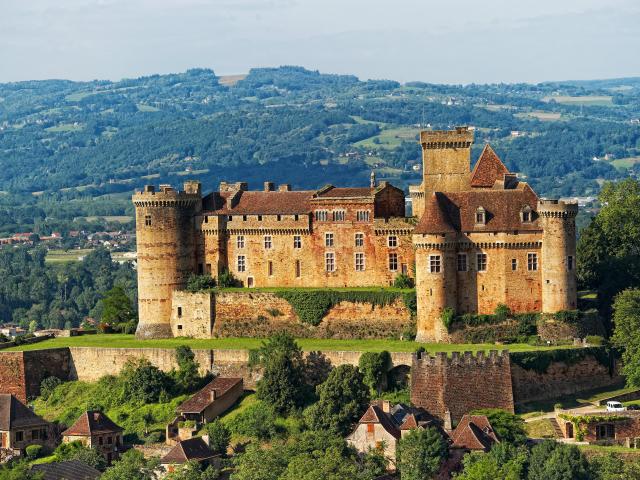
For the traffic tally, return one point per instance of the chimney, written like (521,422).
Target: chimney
(386,406)
(285,187)
(213,395)
(448,425)
(373,179)
(269,187)
(192,186)
(149,189)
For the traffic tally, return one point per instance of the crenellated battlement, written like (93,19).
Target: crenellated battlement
(167,196)
(461,137)
(479,359)
(553,208)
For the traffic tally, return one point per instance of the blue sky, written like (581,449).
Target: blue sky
(460,41)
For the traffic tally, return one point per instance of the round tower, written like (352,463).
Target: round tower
(435,284)
(558,221)
(165,236)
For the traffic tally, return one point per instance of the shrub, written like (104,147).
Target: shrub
(227,280)
(403,281)
(198,283)
(595,340)
(219,436)
(274,312)
(48,385)
(154,437)
(502,312)
(33,451)
(256,421)
(447,316)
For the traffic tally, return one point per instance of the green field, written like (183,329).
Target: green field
(307,344)
(586,100)
(108,218)
(624,163)
(62,256)
(542,116)
(390,138)
(65,127)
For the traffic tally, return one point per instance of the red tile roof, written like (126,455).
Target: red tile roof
(488,169)
(349,192)
(192,449)
(259,203)
(474,432)
(409,422)
(374,414)
(15,414)
(202,399)
(92,423)
(458,210)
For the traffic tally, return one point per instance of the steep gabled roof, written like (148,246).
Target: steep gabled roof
(474,432)
(69,470)
(202,399)
(191,449)
(15,414)
(92,423)
(435,218)
(374,414)
(258,203)
(488,169)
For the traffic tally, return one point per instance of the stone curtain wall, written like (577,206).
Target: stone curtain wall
(461,383)
(260,314)
(22,372)
(12,375)
(560,379)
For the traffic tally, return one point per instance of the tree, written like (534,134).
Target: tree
(131,466)
(373,367)
(219,436)
(420,454)
(143,382)
(256,421)
(77,451)
(117,306)
(508,427)
(342,400)
(612,467)
(187,377)
(503,462)
(282,383)
(260,464)
(19,471)
(33,326)
(551,460)
(48,385)
(626,333)
(192,470)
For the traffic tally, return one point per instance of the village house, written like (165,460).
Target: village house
(383,425)
(612,428)
(95,430)
(20,427)
(473,433)
(193,449)
(212,400)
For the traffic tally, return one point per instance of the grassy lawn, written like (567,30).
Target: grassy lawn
(591,397)
(586,100)
(307,344)
(62,256)
(542,428)
(598,450)
(624,163)
(389,138)
(65,127)
(542,116)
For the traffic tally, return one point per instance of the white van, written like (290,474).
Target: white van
(615,407)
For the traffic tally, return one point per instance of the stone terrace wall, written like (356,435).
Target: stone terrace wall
(260,314)
(560,379)
(22,372)
(461,383)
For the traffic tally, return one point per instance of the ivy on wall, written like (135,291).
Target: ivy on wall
(581,422)
(539,361)
(312,305)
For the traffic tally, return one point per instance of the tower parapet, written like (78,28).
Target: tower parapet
(165,237)
(558,221)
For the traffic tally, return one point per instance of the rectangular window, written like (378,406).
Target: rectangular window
(147,220)
(35,434)
(242,265)
(230,218)
(297,241)
(570,264)
(179,327)
(322,215)
(393,262)
(19,436)
(370,428)
(267,242)
(244,218)
(240,241)
(270,268)
(362,215)
(481,262)
(359,240)
(259,218)
(338,215)
(462,262)
(330,262)
(100,441)
(328,239)
(110,440)
(434,263)
(514,264)
(279,218)
(532,261)
(392,241)
(179,311)
(360,262)
(298,269)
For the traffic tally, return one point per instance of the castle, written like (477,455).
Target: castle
(476,239)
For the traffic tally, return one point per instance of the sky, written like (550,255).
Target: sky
(444,41)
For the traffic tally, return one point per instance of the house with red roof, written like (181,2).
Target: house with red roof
(194,449)
(95,430)
(20,427)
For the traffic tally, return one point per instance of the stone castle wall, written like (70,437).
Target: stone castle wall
(463,382)
(22,372)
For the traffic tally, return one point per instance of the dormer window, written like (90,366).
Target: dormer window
(526,215)
(481,216)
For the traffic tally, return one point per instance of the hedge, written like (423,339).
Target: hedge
(540,361)
(312,305)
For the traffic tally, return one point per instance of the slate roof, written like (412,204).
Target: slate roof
(185,450)
(488,169)
(474,432)
(15,414)
(202,399)
(69,470)
(92,423)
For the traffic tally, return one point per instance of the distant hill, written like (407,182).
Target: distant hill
(307,128)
